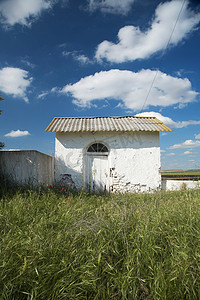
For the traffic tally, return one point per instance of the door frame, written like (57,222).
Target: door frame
(86,163)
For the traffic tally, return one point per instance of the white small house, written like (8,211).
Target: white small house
(108,153)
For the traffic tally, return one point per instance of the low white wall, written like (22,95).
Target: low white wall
(174,185)
(27,167)
(133,159)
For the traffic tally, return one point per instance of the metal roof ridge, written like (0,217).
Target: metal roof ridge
(105,117)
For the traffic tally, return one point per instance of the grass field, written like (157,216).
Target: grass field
(180,172)
(57,245)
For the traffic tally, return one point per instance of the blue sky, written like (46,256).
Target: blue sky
(101,58)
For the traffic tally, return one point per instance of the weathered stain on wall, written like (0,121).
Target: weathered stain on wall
(66,181)
(120,184)
(27,167)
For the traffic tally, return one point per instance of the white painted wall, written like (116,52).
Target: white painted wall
(27,167)
(133,160)
(174,185)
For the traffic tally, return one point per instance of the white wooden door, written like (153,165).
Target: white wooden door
(97,172)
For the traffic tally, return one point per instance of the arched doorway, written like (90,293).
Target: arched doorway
(97,167)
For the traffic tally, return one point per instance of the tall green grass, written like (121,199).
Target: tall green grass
(132,246)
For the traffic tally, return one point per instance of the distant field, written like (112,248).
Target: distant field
(180,172)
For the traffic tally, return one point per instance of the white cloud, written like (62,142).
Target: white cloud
(67,53)
(81,58)
(14,81)
(22,11)
(55,89)
(197,136)
(187,152)
(111,6)
(17,133)
(168,121)
(134,44)
(131,88)
(42,95)
(10,149)
(170,154)
(27,63)
(186,144)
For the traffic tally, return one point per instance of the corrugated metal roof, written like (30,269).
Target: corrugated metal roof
(93,124)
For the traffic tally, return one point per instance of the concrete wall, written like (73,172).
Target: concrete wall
(174,185)
(27,167)
(133,159)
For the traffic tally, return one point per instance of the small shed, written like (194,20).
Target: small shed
(116,154)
